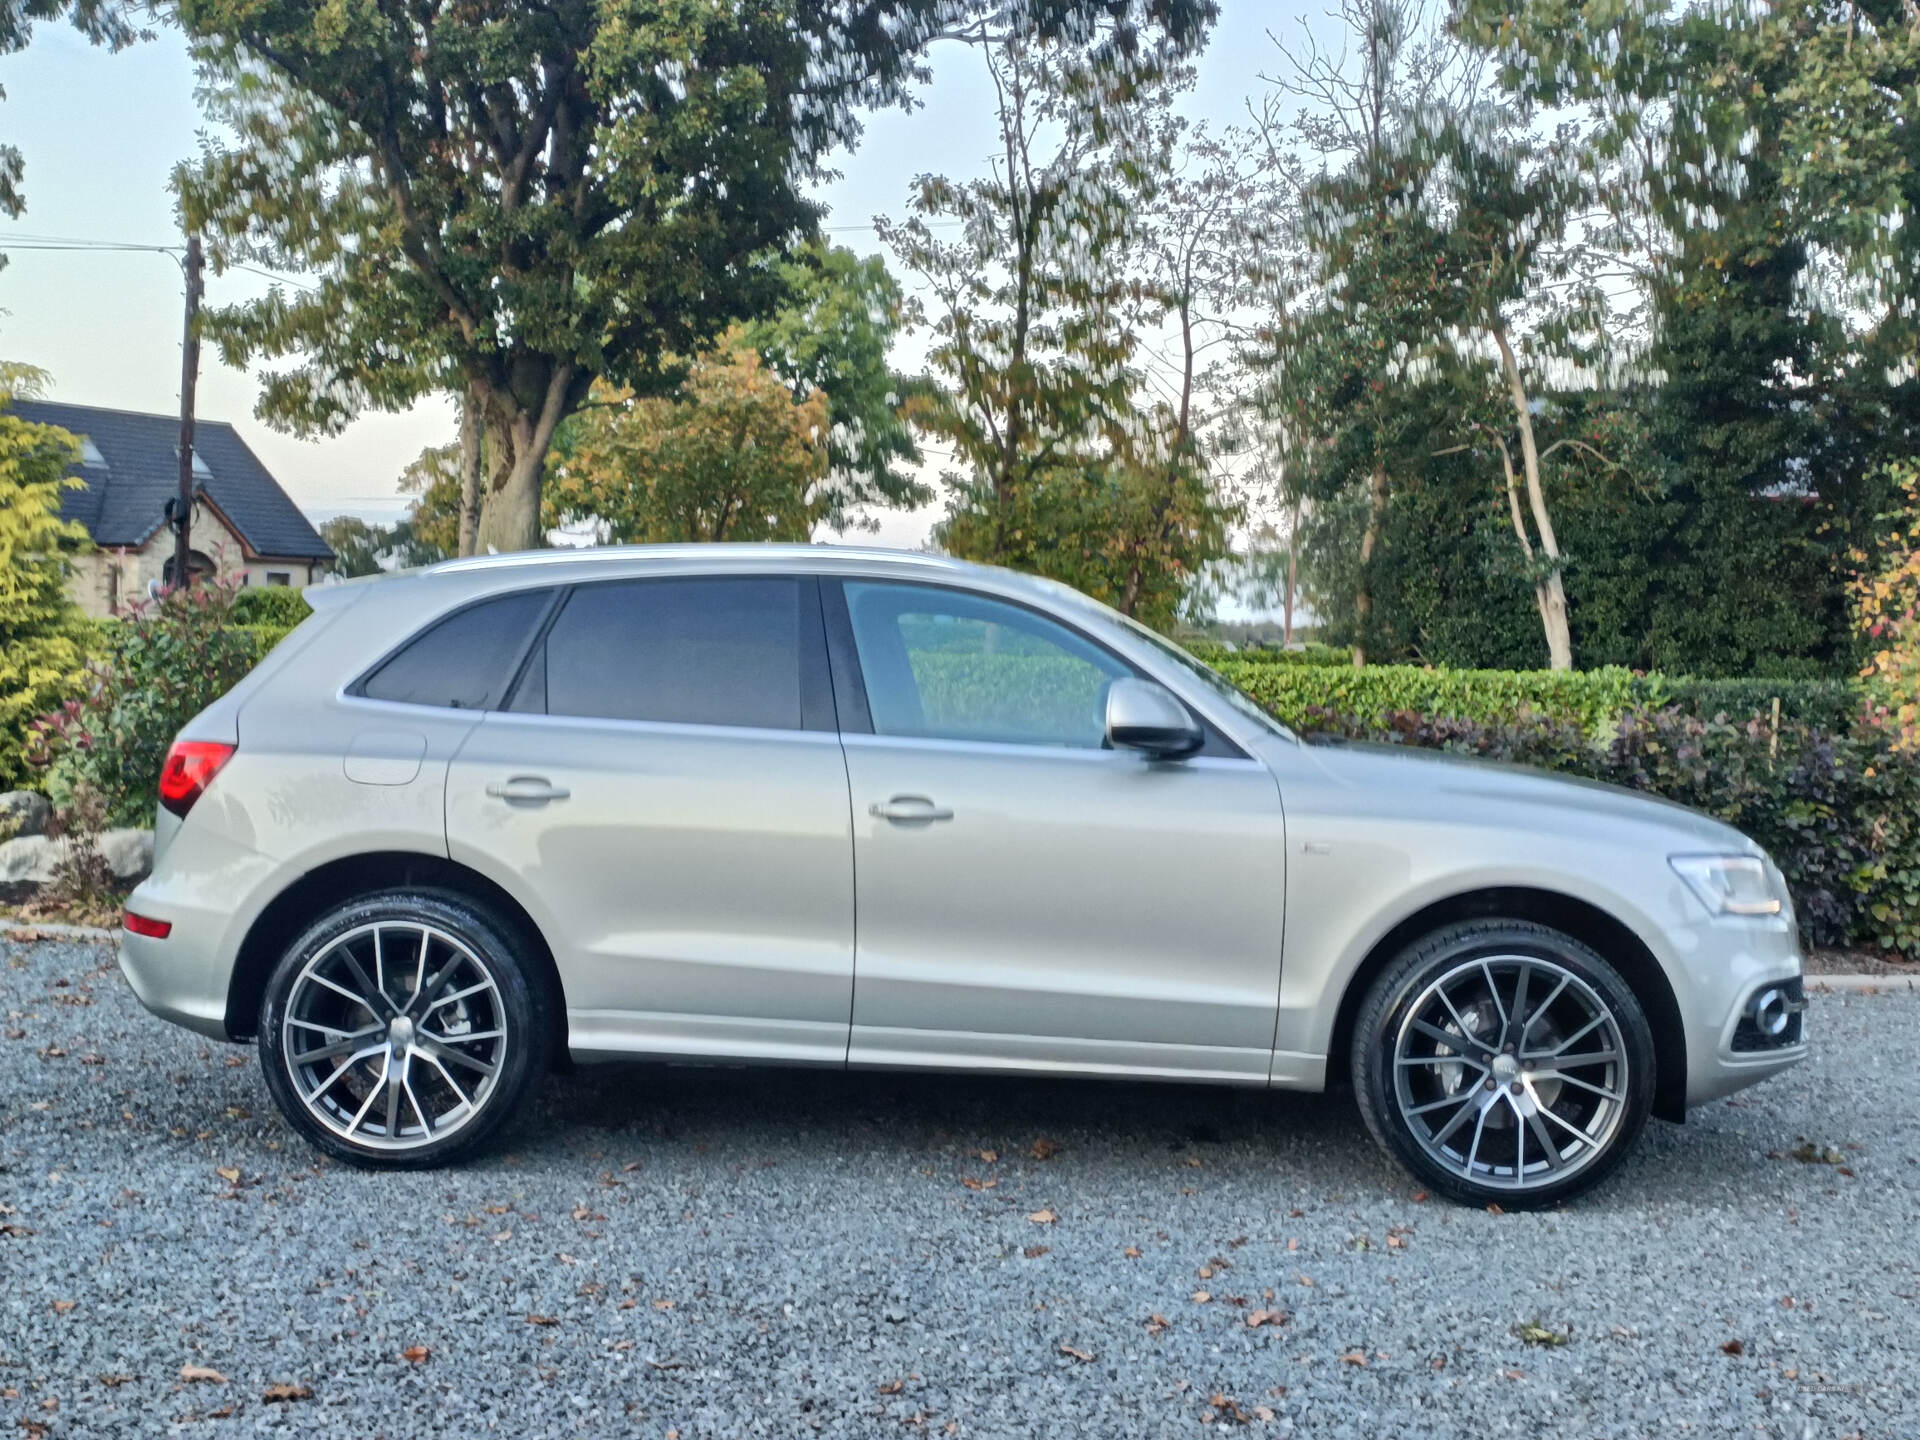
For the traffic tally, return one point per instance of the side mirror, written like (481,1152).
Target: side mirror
(1148,717)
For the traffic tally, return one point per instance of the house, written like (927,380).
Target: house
(244,525)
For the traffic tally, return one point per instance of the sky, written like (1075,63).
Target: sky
(101,133)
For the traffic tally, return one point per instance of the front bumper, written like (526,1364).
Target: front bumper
(1727,963)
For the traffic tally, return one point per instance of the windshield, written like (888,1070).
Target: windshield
(1211,678)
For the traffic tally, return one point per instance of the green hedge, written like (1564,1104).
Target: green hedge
(1592,699)
(270,605)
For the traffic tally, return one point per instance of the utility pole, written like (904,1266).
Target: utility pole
(182,507)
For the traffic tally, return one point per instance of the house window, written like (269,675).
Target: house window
(279,577)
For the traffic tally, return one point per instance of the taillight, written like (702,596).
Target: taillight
(148,926)
(187,771)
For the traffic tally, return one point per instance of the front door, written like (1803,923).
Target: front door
(1029,900)
(667,786)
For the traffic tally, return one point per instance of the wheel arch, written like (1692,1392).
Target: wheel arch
(1588,923)
(325,886)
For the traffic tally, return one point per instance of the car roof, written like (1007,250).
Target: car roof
(480,574)
(722,554)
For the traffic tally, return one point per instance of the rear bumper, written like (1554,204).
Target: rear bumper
(206,888)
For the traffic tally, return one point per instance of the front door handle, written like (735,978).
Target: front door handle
(527,790)
(908,809)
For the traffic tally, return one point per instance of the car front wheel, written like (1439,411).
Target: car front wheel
(1503,1062)
(401,1029)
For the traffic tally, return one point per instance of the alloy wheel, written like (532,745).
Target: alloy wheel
(394,1035)
(1511,1072)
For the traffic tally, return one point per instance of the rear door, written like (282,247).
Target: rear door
(666,792)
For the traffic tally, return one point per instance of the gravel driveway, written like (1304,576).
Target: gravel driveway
(720,1253)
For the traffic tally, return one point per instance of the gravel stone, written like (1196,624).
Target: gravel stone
(782,1253)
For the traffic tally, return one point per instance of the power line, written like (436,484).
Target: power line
(54,244)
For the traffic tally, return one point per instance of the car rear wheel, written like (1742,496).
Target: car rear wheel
(1503,1062)
(401,1030)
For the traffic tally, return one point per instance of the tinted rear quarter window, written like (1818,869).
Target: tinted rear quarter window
(464,662)
(696,651)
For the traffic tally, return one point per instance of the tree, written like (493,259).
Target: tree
(1334,355)
(1887,600)
(1510,277)
(361,548)
(733,456)
(831,335)
(42,633)
(511,200)
(1759,165)
(1059,469)
(103,22)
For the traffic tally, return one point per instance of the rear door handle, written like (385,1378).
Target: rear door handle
(908,809)
(527,790)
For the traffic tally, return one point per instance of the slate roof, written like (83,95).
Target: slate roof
(124,499)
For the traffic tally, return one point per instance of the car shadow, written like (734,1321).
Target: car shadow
(1286,1142)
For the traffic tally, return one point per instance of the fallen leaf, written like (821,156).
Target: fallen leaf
(416,1354)
(1044,1149)
(1201,1297)
(1355,1357)
(893,1387)
(1733,1347)
(1043,1217)
(1534,1333)
(1132,1252)
(542,1320)
(1419,1197)
(229,1174)
(284,1392)
(972,1184)
(1514,1374)
(989,1156)
(114,1382)
(663,1304)
(1157,1323)
(1266,1317)
(1494,1209)
(1206,1272)
(192,1373)
(1808,1153)
(1034,1252)
(1085,1357)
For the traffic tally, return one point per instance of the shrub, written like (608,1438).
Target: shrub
(43,637)
(275,606)
(164,663)
(1830,704)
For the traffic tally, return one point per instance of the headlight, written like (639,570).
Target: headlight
(1730,884)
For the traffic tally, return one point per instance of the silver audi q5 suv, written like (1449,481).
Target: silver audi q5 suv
(821,806)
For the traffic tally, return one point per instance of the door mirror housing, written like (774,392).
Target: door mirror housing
(1149,718)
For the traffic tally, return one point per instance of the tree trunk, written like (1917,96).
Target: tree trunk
(1369,542)
(472,459)
(518,437)
(510,518)
(1293,573)
(1553,600)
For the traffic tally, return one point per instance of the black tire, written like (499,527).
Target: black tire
(1399,1064)
(466,948)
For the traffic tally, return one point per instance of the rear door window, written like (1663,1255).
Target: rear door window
(464,662)
(695,651)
